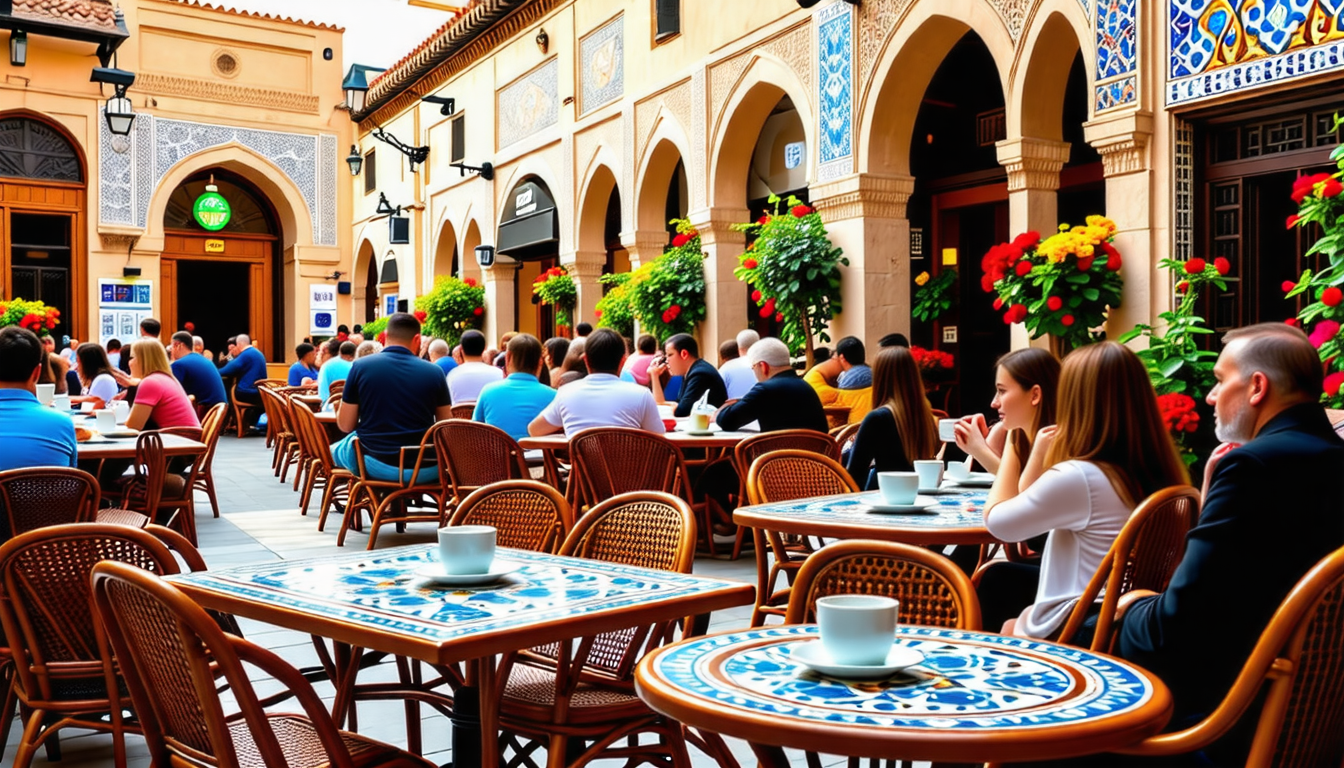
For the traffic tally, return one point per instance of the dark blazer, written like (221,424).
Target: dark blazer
(701,376)
(783,401)
(1274,509)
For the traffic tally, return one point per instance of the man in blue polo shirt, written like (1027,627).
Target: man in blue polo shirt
(390,400)
(513,403)
(249,365)
(32,434)
(198,376)
(305,370)
(340,356)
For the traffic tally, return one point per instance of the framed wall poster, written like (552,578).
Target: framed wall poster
(122,304)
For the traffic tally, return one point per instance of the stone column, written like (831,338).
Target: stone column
(1033,167)
(1123,141)
(585,267)
(500,296)
(643,245)
(725,295)
(865,218)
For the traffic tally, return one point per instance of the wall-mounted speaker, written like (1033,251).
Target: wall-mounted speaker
(343,287)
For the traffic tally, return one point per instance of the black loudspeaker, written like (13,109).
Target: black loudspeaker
(343,287)
(403,305)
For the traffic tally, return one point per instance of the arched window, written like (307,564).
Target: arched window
(250,214)
(30,149)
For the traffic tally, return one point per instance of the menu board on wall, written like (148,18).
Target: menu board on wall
(122,304)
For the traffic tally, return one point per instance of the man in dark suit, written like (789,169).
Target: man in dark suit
(682,358)
(780,399)
(1272,510)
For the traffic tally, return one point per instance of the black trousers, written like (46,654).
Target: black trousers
(1005,590)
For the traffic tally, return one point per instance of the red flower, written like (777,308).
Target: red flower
(751,263)
(1182,286)
(667,318)
(342,336)
(1222,265)
(1027,240)
(1323,332)
(756,296)
(1195,266)
(1288,285)
(1054,303)
(51,323)
(470,282)
(1067,320)
(1305,185)
(598,313)
(540,278)
(987,283)
(1292,221)
(799,211)
(1331,187)
(764,220)
(675,309)
(1331,296)
(680,240)
(1112,257)
(1293,321)
(420,315)
(1178,412)
(770,304)
(998,304)
(1019,312)
(779,317)
(382,337)
(1023,268)
(766,312)
(1333,382)
(189,326)
(1085,263)
(478,311)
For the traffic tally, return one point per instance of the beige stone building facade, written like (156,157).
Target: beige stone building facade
(250,101)
(923,130)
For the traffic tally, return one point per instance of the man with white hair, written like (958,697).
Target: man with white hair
(736,373)
(441,355)
(780,400)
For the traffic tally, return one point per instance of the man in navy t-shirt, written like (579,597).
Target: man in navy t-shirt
(198,376)
(390,400)
(249,365)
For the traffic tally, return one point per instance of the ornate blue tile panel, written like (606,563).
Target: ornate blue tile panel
(835,64)
(1115,93)
(968,680)
(1219,47)
(1117,53)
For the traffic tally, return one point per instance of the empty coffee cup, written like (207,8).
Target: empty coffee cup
(45,393)
(930,473)
(947,430)
(106,420)
(61,402)
(857,629)
(958,470)
(466,549)
(898,487)
(86,406)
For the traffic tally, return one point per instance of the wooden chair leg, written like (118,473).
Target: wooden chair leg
(209,482)
(9,702)
(310,484)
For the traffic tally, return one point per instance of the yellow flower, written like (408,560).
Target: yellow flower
(922,278)
(1103,223)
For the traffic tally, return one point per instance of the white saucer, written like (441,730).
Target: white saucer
(813,656)
(95,438)
(123,432)
(975,480)
(936,491)
(699,432)
(922,503)
(432,572)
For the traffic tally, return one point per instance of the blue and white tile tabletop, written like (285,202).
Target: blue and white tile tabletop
(958,518)
(375,600)
(975,697)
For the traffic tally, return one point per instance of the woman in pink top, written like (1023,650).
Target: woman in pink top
(638,364)
(160,401)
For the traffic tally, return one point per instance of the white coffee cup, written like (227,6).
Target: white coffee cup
(106,420)
(947,430)
(958,470)
(61,402)
(122,409)
(857,629)
(466,549)
(86,406)
(898,487)
(46,393)
(930,473)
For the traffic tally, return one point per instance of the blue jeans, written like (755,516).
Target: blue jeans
(343,453)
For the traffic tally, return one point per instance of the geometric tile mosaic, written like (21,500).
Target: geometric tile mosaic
(1115,93)
(602,65)
(1117,42)
(530,104)
(835,64)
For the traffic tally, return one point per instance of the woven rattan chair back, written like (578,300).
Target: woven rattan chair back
(525,513)
(1143,556)
(756,446)
(844,435)
(933,590)
(35,497)
(793,474)
(464,410)
(475,455)
(172,652)
(47,616)
(610,461)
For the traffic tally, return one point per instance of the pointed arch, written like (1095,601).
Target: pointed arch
(750,102)
(595,193)
(666,146)
(1057,32)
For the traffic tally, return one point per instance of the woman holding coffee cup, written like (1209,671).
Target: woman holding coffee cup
(1025,382)
(900,428)
(1084,476)
(98,386)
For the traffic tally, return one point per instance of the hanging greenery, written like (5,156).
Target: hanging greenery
(794,272)
(667,295)
(451,308)
(555,287)
(933,295)
(614,310)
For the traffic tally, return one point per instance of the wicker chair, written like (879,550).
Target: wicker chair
(844,435)
(592,697)
(389,501)
(279,432)
(238,409)
(785,476)
(933,591)
(473,455)
(35,497)
(747,451)
(153,490)
(464,410)
(212,425)
(165,644)
(525,513)
(62,669)
(1143,556)
(1298,667)
(322,471)
(610,461)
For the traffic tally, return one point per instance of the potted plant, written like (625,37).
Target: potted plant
(667,295)
(614,310)
(33,315)
(935,366)
(1061,286)
(555,287)
(451,308)
(794,272)
(933,295)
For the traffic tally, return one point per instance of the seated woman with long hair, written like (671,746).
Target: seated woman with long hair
(1086,474)
(160,401)
(573,368)
(1025,385)
(95,376)
(899,429)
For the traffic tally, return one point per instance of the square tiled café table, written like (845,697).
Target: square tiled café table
(374,600)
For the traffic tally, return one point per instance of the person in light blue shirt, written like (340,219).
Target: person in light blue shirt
(340,357)
(513,403)
(441,355)
(32,434)
(306,367)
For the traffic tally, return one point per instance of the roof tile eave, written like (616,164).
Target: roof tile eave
(222,8)
(88,15)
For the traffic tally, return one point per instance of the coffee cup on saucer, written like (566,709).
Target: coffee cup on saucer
(466,549)
(61,402)
(947,430)
(857,629)
(958,471)
(86,406)
(105,420)
(46,393)
(898,487)
(930,473)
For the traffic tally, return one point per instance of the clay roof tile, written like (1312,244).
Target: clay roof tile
(98,15)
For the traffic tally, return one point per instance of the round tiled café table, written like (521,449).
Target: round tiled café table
(976,697)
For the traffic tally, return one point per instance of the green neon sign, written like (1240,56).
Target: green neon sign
(211,210)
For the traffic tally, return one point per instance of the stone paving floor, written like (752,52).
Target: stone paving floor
(259,522)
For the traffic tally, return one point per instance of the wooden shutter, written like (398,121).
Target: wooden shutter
(668,19)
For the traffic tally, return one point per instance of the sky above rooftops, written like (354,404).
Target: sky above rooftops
(377,32)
